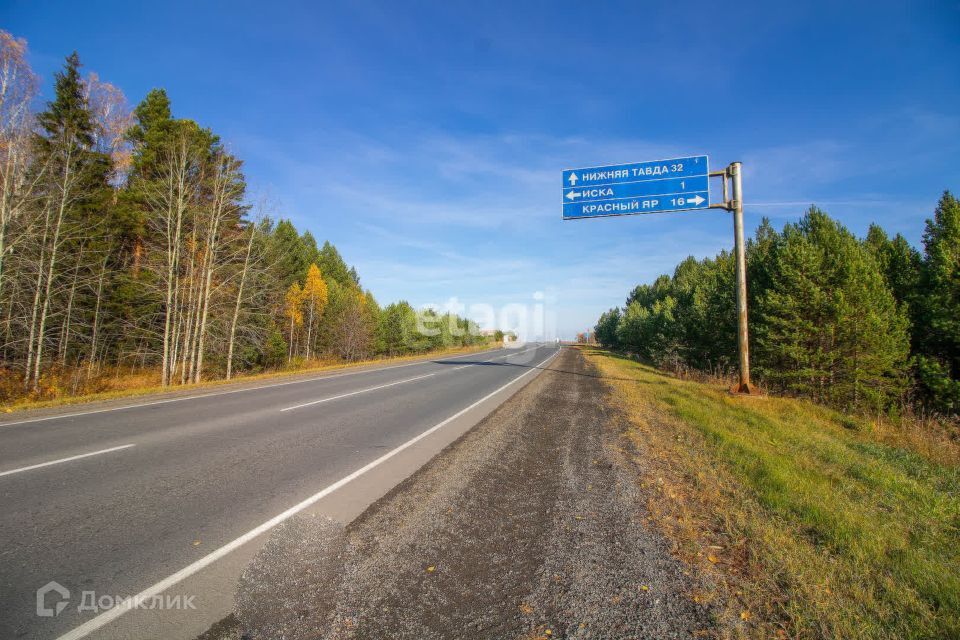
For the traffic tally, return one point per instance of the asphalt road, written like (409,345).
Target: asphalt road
(119,499)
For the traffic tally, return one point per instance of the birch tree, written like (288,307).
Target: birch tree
(245,269)
(114,119)
(169,194)
(293,311)
(224,211)
(18,87)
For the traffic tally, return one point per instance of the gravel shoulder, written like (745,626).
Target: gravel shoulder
(531,525)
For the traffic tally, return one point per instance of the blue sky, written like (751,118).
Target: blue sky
(426,139)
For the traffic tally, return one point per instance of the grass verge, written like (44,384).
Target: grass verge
(140,384)
(812,523)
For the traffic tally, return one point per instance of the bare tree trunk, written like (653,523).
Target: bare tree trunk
(236,307)
(96,319)
(176,200)
(6,204)
(177,332)
(290,346)
(18,87)
(36,301)
(206,291)
(225,193)
(168,311)
(195,333)
(199,333)
(65,334)
(186,359)
(310,331)
(207,265)
(54,247)
(202,323)
(164,373)
(8,320)
(7,208)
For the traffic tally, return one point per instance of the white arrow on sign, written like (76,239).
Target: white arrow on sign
(573,179)
(695,200)
(574,194)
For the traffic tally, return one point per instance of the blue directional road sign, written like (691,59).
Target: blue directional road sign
(679,184)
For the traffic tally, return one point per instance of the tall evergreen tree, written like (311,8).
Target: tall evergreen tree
(288,254)
(333,266)
(75,199)
(606,329)
(939,313)
(828,326)
(899,262)
(133,289)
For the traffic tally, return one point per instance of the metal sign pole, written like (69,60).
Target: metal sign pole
(733,202)
(735,171)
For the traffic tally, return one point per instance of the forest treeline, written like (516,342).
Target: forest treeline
(128,244)
(866,324)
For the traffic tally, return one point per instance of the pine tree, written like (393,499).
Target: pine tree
(333,266)
(395,326)
(828,325)
(899,262)
(705,311)
(289,255)
(606,328)
(939,314)
(75,197)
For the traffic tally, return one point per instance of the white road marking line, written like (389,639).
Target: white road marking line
(510,355)
(392,384)
(61,460)
(223,393)
(474,364)
(357,392)
(109,616)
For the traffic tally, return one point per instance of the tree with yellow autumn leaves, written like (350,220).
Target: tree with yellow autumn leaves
(315,298)
(293,310)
